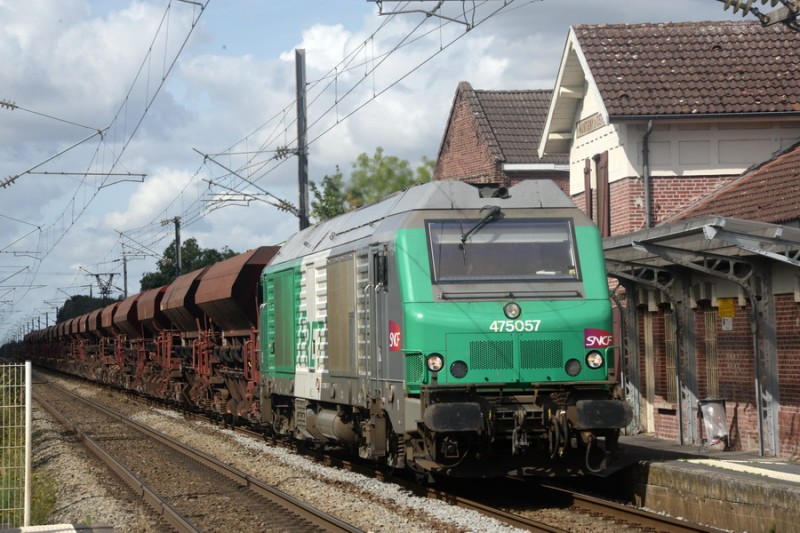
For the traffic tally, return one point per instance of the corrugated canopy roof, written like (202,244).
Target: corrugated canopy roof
(707,241)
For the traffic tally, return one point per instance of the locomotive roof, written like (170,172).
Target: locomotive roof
(435,195)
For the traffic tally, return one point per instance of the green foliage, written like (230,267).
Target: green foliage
(193,257)
(372,179)
(328,202)
(9,349)
(79,305)
(43,499)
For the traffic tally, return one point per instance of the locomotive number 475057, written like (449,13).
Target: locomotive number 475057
(511,326)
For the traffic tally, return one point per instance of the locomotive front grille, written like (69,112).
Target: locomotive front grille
(491,355)
(415,368)
(539,354)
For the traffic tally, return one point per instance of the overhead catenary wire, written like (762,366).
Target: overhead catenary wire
(54,232)
(259,161)
(345,65)
(257,169)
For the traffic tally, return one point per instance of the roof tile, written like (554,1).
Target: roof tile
(512,122)
(693,67)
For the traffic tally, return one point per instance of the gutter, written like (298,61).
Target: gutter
(695,116)
(522,167)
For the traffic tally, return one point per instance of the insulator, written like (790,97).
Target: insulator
(746,5)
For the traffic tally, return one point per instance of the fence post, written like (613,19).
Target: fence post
(28,441)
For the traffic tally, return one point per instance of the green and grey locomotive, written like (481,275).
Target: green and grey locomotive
(449,329)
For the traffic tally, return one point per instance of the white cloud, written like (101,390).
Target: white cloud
(150,199)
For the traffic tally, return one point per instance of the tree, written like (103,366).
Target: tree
(193,257)
(80,305)
(372,179)
(330,201)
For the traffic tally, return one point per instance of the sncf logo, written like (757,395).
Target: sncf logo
(395,341)
(597,338)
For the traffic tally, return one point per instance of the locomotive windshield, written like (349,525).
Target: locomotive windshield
(504,250)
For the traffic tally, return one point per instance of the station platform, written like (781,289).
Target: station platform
(728,490)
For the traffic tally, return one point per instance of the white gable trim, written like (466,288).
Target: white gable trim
(558,134)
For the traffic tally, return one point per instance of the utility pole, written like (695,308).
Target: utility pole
(177,222)
(302,149)
(124,273)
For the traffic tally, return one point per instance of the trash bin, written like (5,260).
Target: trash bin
(715,422)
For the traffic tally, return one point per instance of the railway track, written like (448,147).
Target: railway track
(610,516)
(605,512)
(622,517)
(617,511)
(190,491)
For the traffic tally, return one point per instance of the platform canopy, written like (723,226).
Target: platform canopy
(740,251)
(708,240)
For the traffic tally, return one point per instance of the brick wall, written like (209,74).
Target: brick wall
(464,153)
(787,322)
(669,196)
(673,194)
(736,375)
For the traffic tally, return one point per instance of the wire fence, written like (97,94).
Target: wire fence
(15,444)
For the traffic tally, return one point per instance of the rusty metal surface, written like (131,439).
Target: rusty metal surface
(93,324)
(149,309)
(228,292)
(178,301)
(83,326)
(126,318)
(107,318)
(72,327)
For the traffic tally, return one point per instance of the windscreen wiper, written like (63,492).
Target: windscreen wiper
(494,211)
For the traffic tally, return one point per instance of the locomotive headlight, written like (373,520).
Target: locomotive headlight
(434,362)
(594,359)
(512,310)
(573,367)
(459,369)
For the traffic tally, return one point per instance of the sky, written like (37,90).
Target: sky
(118,116)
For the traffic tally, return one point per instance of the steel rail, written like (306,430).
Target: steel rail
(159,505)
(579,500)
(316,517)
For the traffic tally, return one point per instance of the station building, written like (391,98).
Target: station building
(681,141)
